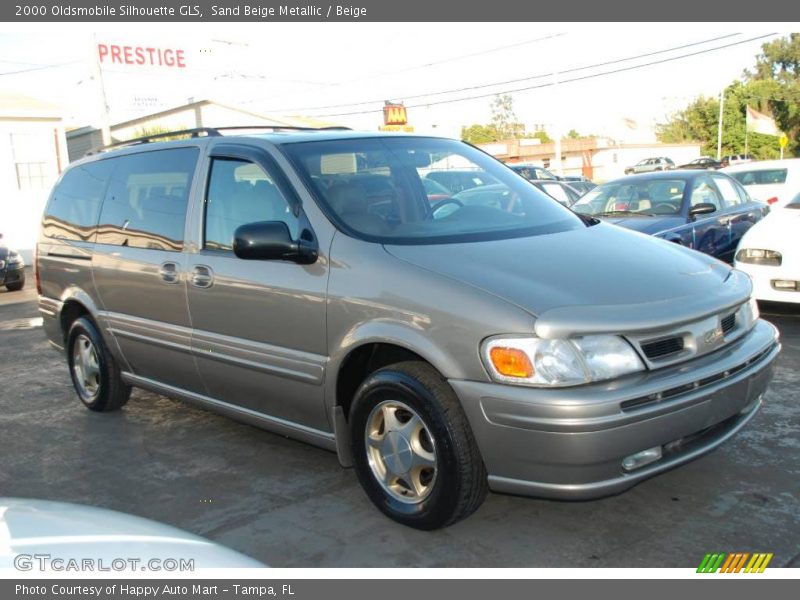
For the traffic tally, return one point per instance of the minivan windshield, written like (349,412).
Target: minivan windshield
(377,188)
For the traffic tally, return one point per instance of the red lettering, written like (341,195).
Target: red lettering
(138,55)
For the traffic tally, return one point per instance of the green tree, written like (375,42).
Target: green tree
(480,134)
(141,132)
(776,78)
(540,135)
(573,134)
(504,119)
(504,125)
(772,87)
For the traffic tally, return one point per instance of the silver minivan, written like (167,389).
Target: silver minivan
(442,344)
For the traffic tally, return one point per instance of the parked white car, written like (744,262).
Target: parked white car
(774,182)
(770,253)
(40,535)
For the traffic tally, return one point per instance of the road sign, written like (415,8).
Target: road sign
(783,140)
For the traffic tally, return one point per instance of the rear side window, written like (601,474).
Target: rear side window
(760,176)
(75,204)
(727,189)
(557,192)
(145,206)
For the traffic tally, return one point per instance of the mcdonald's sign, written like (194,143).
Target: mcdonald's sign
(394,114)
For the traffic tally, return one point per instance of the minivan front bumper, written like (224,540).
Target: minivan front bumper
(569,443)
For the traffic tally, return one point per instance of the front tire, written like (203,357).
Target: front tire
(413,449)
(16,286)
(95,374)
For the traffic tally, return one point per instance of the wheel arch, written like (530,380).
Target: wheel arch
(366,350)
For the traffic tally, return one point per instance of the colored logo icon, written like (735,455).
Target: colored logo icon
(736,562)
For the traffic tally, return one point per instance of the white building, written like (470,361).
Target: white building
(599,159)
(195,114)
(33,152)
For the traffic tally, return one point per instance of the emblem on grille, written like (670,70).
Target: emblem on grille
(712,336)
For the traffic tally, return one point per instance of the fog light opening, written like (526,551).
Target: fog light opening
(640,459)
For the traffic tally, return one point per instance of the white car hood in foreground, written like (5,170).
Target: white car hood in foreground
(76,532)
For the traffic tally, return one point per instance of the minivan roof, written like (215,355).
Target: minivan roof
(277,136)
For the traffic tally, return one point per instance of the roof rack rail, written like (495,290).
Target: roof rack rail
(207,132)
(196,132)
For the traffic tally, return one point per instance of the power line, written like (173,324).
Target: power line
(414,68)
(41,68)
(508,81)
(562,81)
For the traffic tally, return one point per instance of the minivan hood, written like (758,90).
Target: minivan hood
(590,280)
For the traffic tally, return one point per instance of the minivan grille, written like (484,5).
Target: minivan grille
(667,394)
(728,323)
(663,347)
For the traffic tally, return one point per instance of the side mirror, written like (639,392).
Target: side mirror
(271,240)
(704,208)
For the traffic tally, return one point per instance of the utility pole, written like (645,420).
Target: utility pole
(557,126)
(719,124)
(97,76)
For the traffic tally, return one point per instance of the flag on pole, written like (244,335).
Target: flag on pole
(760,123)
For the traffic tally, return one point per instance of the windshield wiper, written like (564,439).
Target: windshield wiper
(611,213)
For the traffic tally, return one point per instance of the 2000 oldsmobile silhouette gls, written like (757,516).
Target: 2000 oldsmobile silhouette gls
(304,282)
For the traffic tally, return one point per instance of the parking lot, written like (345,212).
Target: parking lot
(291,505)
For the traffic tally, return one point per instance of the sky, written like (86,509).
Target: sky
(330,70)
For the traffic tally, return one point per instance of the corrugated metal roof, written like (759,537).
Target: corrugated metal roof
(21,106)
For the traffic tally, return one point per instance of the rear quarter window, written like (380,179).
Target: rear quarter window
(761,176)
(74,205)
(145,205)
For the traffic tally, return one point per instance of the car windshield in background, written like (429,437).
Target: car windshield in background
(645,197)
(760,176)
(377,188)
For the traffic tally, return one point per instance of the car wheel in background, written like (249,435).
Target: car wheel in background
(16,286)
(413,449)
(94,371)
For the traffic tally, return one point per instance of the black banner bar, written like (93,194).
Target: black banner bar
(712,586)
(406,10)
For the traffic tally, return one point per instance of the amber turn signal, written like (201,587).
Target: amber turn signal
(511,362)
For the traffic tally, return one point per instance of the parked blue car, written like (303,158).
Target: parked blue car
(707,211)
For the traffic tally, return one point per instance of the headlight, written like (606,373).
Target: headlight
(540,362)
(14,259)
(757,256)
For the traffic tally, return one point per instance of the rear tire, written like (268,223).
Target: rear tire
(413,448)
(95,374)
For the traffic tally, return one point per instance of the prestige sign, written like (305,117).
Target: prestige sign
(148,56)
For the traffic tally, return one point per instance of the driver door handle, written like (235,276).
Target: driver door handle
(169,272)
(202,276)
